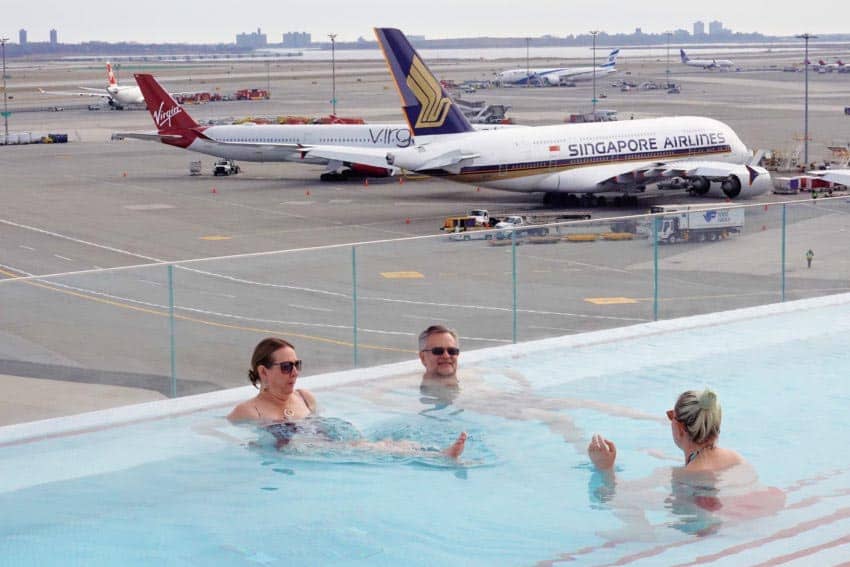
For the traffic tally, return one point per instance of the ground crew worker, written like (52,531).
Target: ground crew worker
(809,256)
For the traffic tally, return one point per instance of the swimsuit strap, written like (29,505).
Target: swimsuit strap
(306,403)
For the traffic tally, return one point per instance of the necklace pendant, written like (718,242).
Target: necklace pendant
(288,413)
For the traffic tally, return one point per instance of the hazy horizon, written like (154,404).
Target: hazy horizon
(160,22)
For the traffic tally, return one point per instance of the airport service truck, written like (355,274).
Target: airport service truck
(697,224)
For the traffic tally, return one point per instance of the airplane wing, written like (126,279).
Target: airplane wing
(734,178)
(101,94)
(147,136)
(374,157)
(840,176)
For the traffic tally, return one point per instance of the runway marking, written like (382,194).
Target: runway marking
(310,308)
(216,237)
(298,203)
(402,275)
(151,207)
(27,247)
(63,258)
(610,300)
(340,201)
(162,311)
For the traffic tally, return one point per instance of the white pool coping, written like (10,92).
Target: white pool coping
(117,416)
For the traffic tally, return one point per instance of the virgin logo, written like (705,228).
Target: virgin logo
(160,116)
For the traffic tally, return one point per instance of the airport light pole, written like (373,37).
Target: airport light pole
(806,36)
(527,66)
(593,100)
(668,34)
(332,36)
(3,41)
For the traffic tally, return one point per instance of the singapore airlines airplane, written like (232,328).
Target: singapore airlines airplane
(705,63)
(118,96)
(266,142)
(611,157)
(557,76)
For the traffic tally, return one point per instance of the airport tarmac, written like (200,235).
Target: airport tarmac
(95,203)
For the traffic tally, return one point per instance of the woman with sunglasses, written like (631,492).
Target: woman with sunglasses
(283,410)
(695,426)
(713,485)
(274,371)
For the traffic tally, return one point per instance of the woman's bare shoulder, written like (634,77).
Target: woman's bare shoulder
(244,411)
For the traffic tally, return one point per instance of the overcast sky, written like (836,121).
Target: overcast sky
(160,21)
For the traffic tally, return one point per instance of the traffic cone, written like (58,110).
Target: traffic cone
(365,182)
(478,189)
(214,191)
(407,220)
(307,192)
(125,174)
(763,227)
(401,180)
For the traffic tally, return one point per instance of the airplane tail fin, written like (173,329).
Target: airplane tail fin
(110,75)
(683,56)
(166,113)
(427,106)
(612,58)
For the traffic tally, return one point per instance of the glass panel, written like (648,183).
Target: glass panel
(406,286)
(718,258)
(224,307)
(820,225)
(105,328)
(584,276)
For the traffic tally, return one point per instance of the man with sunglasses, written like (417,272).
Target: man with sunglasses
(439,351)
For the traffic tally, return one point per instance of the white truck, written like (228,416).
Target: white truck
(225,167)
(698,224)
(522,226)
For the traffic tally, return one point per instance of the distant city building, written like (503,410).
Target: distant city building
(699,28)
(297,39)
(251,40)
(638,31)
(22,37)
(54,37)
(715,28)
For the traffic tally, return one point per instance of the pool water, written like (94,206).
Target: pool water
(190,489)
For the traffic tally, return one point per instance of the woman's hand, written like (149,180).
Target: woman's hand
(602,452)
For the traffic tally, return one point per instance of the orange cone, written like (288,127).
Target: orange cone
(214,191)
(125,174)
(401,180)
(307,192)
(478,189)
(365,182)
(407,220)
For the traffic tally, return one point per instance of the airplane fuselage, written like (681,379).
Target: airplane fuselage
(246,142)
(576,157)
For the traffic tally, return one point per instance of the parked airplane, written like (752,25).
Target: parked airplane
(705,63)
(557,76)
(611,157)
(266,142)
(830,67)
(118,96)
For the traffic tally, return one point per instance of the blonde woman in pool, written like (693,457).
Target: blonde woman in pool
(712,485)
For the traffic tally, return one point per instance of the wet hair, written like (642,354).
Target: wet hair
(436,330)
(263,356)
(700,413)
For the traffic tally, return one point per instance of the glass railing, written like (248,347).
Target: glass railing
(189,327)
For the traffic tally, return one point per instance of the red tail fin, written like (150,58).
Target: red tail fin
(166,113)
(110,75)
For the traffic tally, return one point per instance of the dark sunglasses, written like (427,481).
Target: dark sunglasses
(438,350)
(671,415)
(286,367)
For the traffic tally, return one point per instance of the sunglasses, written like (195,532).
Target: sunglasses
(671,415)
(286,367)
(438,350)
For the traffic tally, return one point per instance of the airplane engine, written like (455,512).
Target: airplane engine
(700,185)
(731,186)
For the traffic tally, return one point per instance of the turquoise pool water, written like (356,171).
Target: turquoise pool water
(181,486)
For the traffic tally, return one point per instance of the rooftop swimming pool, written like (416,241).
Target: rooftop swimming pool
(172,483)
